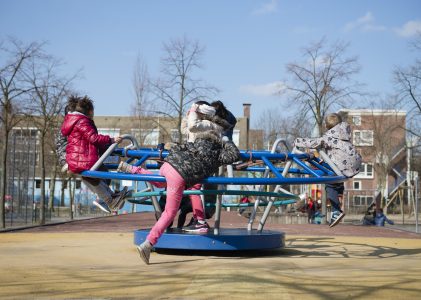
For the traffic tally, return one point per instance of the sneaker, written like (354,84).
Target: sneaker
(336,218)
(119,199)
(124,167)
(144,250)
(102,206)
(197,227)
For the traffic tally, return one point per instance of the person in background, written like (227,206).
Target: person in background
(311,209)
(318,212)
(244,200)
(381,218)
(337,143)
(370,215)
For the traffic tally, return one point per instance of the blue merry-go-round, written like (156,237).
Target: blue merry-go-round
(278,167)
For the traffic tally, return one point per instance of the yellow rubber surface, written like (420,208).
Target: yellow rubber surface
(103,265)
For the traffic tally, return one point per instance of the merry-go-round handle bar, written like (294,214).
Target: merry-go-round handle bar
(110,150)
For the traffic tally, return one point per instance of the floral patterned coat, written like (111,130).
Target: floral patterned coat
(337,143)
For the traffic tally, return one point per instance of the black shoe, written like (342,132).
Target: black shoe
(197,227)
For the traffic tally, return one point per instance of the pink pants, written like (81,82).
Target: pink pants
(175,186)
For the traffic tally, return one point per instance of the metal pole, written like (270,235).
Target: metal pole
(34,142)
(13,180)
(416,204)
(27,178)
(277,188)
(408,173)
(155,202)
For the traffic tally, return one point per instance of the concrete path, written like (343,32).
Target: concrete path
(76,261)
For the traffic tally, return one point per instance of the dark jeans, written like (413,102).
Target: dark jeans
(333,190)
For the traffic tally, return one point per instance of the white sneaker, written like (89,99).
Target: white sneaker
(144,250)
(102,206)
(336,218)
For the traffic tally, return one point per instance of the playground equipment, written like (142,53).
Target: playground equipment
(267,168)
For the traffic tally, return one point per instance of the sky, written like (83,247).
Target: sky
(248,43)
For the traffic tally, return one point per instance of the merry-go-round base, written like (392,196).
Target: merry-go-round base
(229,239)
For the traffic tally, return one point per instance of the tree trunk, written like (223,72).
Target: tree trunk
(52,189)
(72,197)
(20,194)
(63,188)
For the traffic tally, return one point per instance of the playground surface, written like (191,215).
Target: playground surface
(96,259)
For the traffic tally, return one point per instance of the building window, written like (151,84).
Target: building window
(363,137)
(112,132)
(357,185)
(146,137)
(362,200)
(37,183)
(26,133)
(23,158)
(78,184)
(23,149)
(366,171)
(356,120)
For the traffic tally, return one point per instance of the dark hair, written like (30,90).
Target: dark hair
(200,102)
(221,110)
(84,105)
(71,104)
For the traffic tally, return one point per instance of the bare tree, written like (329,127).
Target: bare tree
(408,85)
(47,98)
(275,126)
(143,105)
(270,122)
(323,80)
(177,87)
(14,56)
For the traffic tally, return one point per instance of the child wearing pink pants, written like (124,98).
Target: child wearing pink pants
(175,186)
(185,167)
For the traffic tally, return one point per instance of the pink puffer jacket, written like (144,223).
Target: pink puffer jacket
(84,144)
